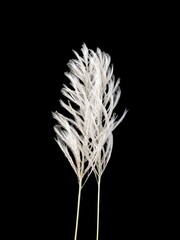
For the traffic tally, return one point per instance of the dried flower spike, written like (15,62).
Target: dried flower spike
(86,138)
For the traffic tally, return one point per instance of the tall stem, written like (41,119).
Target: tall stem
(98,208)
(78,207)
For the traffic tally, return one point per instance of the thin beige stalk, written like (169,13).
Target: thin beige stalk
(98,208)
(78,208)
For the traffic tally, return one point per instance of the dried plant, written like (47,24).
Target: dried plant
(86,138)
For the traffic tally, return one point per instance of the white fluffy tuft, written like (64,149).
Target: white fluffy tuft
(86,138)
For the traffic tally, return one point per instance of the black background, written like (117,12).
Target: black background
(43,189)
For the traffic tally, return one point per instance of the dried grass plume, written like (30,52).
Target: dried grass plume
(86,137)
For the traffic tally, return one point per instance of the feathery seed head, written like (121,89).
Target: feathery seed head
(86,138)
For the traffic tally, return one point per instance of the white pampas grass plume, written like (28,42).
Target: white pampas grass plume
(86,138)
